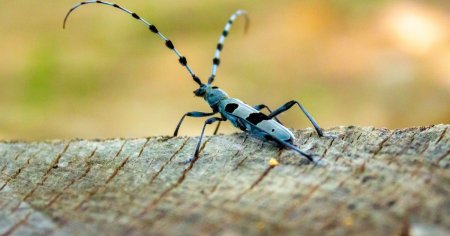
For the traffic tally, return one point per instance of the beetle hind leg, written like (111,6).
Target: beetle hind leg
(295,148)
(288,105)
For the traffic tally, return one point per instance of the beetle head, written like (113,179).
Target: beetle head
(211,94)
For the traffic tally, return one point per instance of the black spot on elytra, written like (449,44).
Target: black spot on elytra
(256,118)
(214,87)
(230,107)
(183,61)
(135,16)
(153,29)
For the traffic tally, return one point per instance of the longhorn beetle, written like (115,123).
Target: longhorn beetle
(247,118)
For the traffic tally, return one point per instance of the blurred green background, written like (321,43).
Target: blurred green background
(370,63)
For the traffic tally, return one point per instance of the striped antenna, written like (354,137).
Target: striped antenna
(151,27)
(216,59)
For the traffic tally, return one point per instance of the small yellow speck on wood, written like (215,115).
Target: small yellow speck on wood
(273,162)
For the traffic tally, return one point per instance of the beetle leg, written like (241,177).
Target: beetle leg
(194,114)
(262,106)
(197,149)
(288,105)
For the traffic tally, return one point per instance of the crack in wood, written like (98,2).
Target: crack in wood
(439,159)
(74,180)
(154,203)
(87,165)
(255,183)
(259,179)
(381,144)
(241,162)
(87,199)
(168,161)
(15,158)
(240,151)
(92,193)
(426,146)
(304,199)
(346,145)
(46,174)
(223,177)
(180,180)
(406,147)
(6,163)
(17,225)
(19,170)
(357,138)
(403,150)
(326,149)
(441,136)
(306,139)
(120,149)
(116,171)
(143,147)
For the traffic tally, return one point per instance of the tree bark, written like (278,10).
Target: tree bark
(369,181)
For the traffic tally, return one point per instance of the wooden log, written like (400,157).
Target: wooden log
(370,182)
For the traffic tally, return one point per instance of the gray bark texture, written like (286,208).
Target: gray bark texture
(369,181)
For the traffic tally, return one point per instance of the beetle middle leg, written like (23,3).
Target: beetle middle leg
(262,106)
(288,105)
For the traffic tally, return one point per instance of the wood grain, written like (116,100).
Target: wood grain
(370,181)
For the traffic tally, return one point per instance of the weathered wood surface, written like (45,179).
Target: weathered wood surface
(371,181)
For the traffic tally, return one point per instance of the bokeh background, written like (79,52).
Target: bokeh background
(370,63)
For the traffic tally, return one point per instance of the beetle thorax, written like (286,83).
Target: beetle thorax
(214,95)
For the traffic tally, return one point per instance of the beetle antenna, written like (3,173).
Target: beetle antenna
(216,59)
(151,27)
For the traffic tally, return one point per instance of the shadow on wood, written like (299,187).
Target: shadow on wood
(371,181)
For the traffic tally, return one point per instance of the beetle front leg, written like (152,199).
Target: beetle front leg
(197,148)
(193,114)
